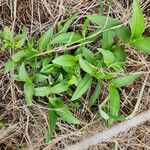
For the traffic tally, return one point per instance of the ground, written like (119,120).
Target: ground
(25,127)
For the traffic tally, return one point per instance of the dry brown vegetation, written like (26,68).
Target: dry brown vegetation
(25,127)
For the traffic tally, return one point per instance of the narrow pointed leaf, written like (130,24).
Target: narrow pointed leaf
(142,44)
(108,39)
(68,23)
(137,23)
(82,87)
(45,39)
(88,54)
(29,92)
(23,75)
(87,67)
(52,118)
(114,97)
(108,56)
(62,111)
(56,89)
(95,94)
(125,80)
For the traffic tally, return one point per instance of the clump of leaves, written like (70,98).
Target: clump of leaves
(60,63)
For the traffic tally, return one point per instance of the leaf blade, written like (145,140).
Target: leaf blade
(62,111)
(82,87)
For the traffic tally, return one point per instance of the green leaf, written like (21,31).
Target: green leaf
(52,118)
(85,27)
(45,39)
(108,39)
(95,94)
(142,44)
(125,80)
(23,75)
(68,23)
(9,65)
(114,106)
(117,68)
(40,77)
(59,88)
(66,38)
(56,89)
(42,91)
(29,92)
(121,31)
(89,56)
(137,23)
(65,60)
(62,111)
(104,21)
(87,67)
(20,40)
(82,87)
(47,69)
(108,56)
(120,55)
(22,54)
(8,35)
(104,115)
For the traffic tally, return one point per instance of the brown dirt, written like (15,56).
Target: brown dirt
(24,127)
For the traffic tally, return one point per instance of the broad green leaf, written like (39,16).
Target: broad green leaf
(114,105)
(23,75)
(59,88)
(104,21)
(117,68)
(40,77)
(22,54)
(29,92)
(19,40)
(104,115)
(123,33)
(10,65)
(108,56)
(62,111)
(56,89)
(88,54)
(42,91)
(120,55)
(47,69)
(137,23)
(125,80)
(95,94)
(87,67)
(65,60)
(8,35)
(68,23)
(66,38)
(52,118)
(107,40)
(82,87)
(142,44)
(45,39)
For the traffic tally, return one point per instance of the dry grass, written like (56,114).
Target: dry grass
(25,127)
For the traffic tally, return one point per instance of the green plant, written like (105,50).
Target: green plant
(61,62)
